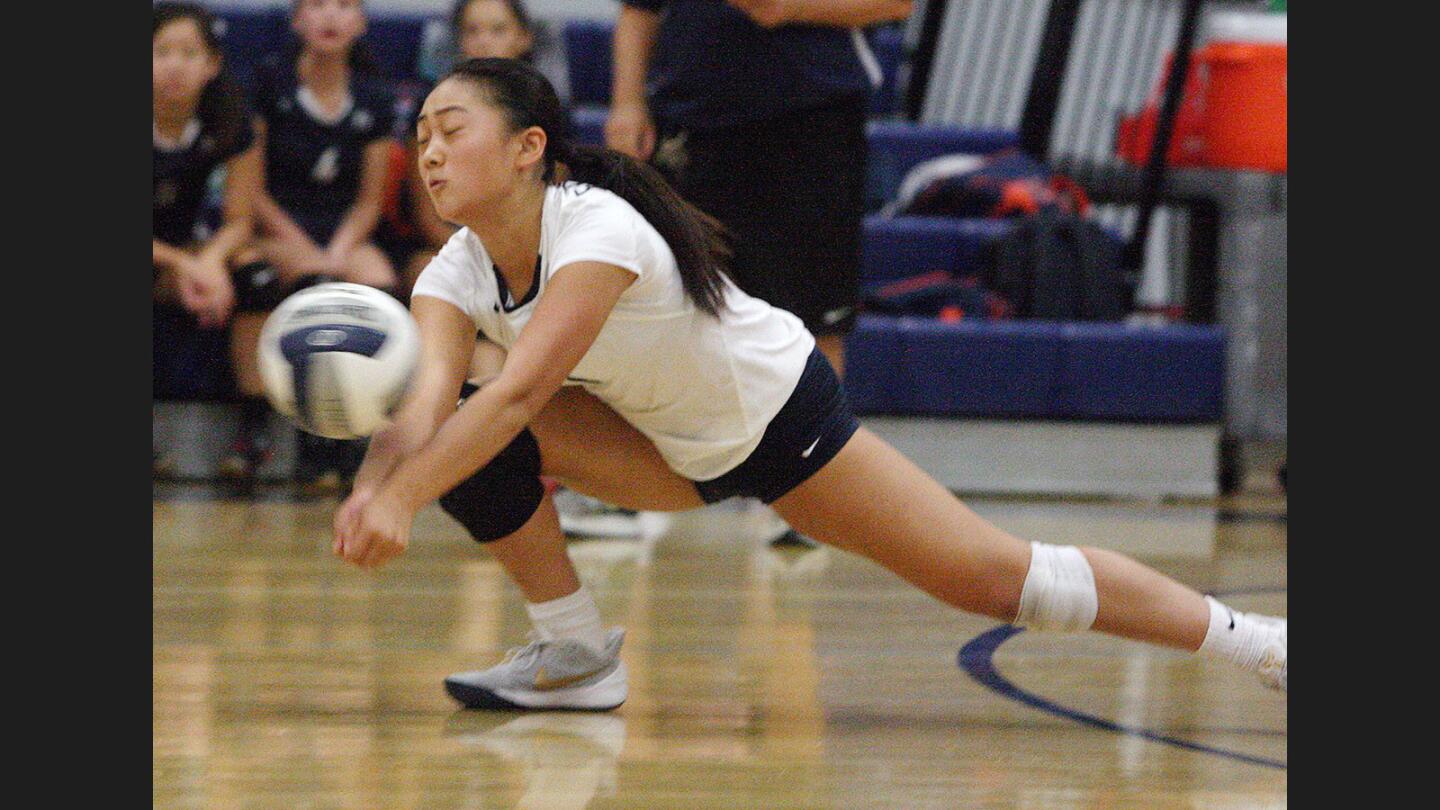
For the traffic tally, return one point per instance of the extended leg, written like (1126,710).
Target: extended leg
(872,500)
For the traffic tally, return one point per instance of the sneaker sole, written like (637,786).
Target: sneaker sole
(606,694)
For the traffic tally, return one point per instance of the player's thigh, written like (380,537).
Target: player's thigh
(873,501)
(588,447)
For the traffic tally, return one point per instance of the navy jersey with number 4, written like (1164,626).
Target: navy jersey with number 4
(182,172)
(313,165)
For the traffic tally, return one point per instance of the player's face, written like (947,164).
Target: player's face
(469,157)
(181,64)
(489,29)
(329,26)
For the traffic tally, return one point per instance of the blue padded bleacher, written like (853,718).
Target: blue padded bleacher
(587,60)
(1035,369)
(888,45)
(900,247)
(1174,373)
(247,35)
(589,124)
(896,147)
(395,41)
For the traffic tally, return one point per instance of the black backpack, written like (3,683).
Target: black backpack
(1056,266)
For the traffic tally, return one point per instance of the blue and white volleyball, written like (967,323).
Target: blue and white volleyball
(337,358)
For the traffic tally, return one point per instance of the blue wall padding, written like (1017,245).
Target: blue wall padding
(1036,369)
(1115,372)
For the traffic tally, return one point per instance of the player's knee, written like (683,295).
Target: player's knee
(1059,592)
(503,495)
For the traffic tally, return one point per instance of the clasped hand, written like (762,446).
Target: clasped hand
(371,528)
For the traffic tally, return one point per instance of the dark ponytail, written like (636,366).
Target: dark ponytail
(222,108)
(697,239)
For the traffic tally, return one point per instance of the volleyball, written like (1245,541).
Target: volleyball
(337,358)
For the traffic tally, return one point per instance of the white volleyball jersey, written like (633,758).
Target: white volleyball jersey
(702,389)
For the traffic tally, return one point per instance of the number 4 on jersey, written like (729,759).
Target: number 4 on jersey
(327,166)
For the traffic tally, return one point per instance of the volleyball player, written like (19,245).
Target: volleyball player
(201,125)
(637,372)
(325,120)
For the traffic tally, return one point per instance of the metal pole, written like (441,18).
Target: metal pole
(1048,77)
(923,58)
(1154,174)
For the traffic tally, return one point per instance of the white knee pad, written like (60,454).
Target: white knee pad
(1059,591)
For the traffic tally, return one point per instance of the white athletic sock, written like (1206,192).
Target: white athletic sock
(573,617)
(1239,638)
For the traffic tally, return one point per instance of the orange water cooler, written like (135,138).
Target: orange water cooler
(1233,110)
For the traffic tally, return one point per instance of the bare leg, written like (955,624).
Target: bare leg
(587,445)
(535,557)
(873,501)
(833,347)
(244,341)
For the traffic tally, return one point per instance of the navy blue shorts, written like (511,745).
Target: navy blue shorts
(809,430)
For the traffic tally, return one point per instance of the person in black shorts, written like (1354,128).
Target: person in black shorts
(201,126)
(756,113)
(759,120)
(637,371)
(326,121)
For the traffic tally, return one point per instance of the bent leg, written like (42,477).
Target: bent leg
(588,447)
(873,501)
(584,443)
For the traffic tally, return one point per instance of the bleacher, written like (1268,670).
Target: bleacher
(1073,387)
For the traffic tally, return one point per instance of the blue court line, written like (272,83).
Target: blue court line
(977,659)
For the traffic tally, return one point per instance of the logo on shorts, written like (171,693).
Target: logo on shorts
(810,449)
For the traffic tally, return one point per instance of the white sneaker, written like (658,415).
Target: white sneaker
(584,516)
(1275,659)
(560,674)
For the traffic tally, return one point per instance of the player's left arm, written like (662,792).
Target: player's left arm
(364,215)
(568,317)
(844,13)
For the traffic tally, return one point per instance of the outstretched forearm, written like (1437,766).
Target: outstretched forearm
(473,435)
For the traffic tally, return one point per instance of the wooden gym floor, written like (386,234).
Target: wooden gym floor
(759,678)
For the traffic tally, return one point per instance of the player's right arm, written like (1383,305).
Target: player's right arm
(629,127)
(447,343)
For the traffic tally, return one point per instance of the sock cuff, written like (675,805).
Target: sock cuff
(580,600)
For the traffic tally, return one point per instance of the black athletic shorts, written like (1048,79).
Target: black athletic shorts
(814,424)
(791,190)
